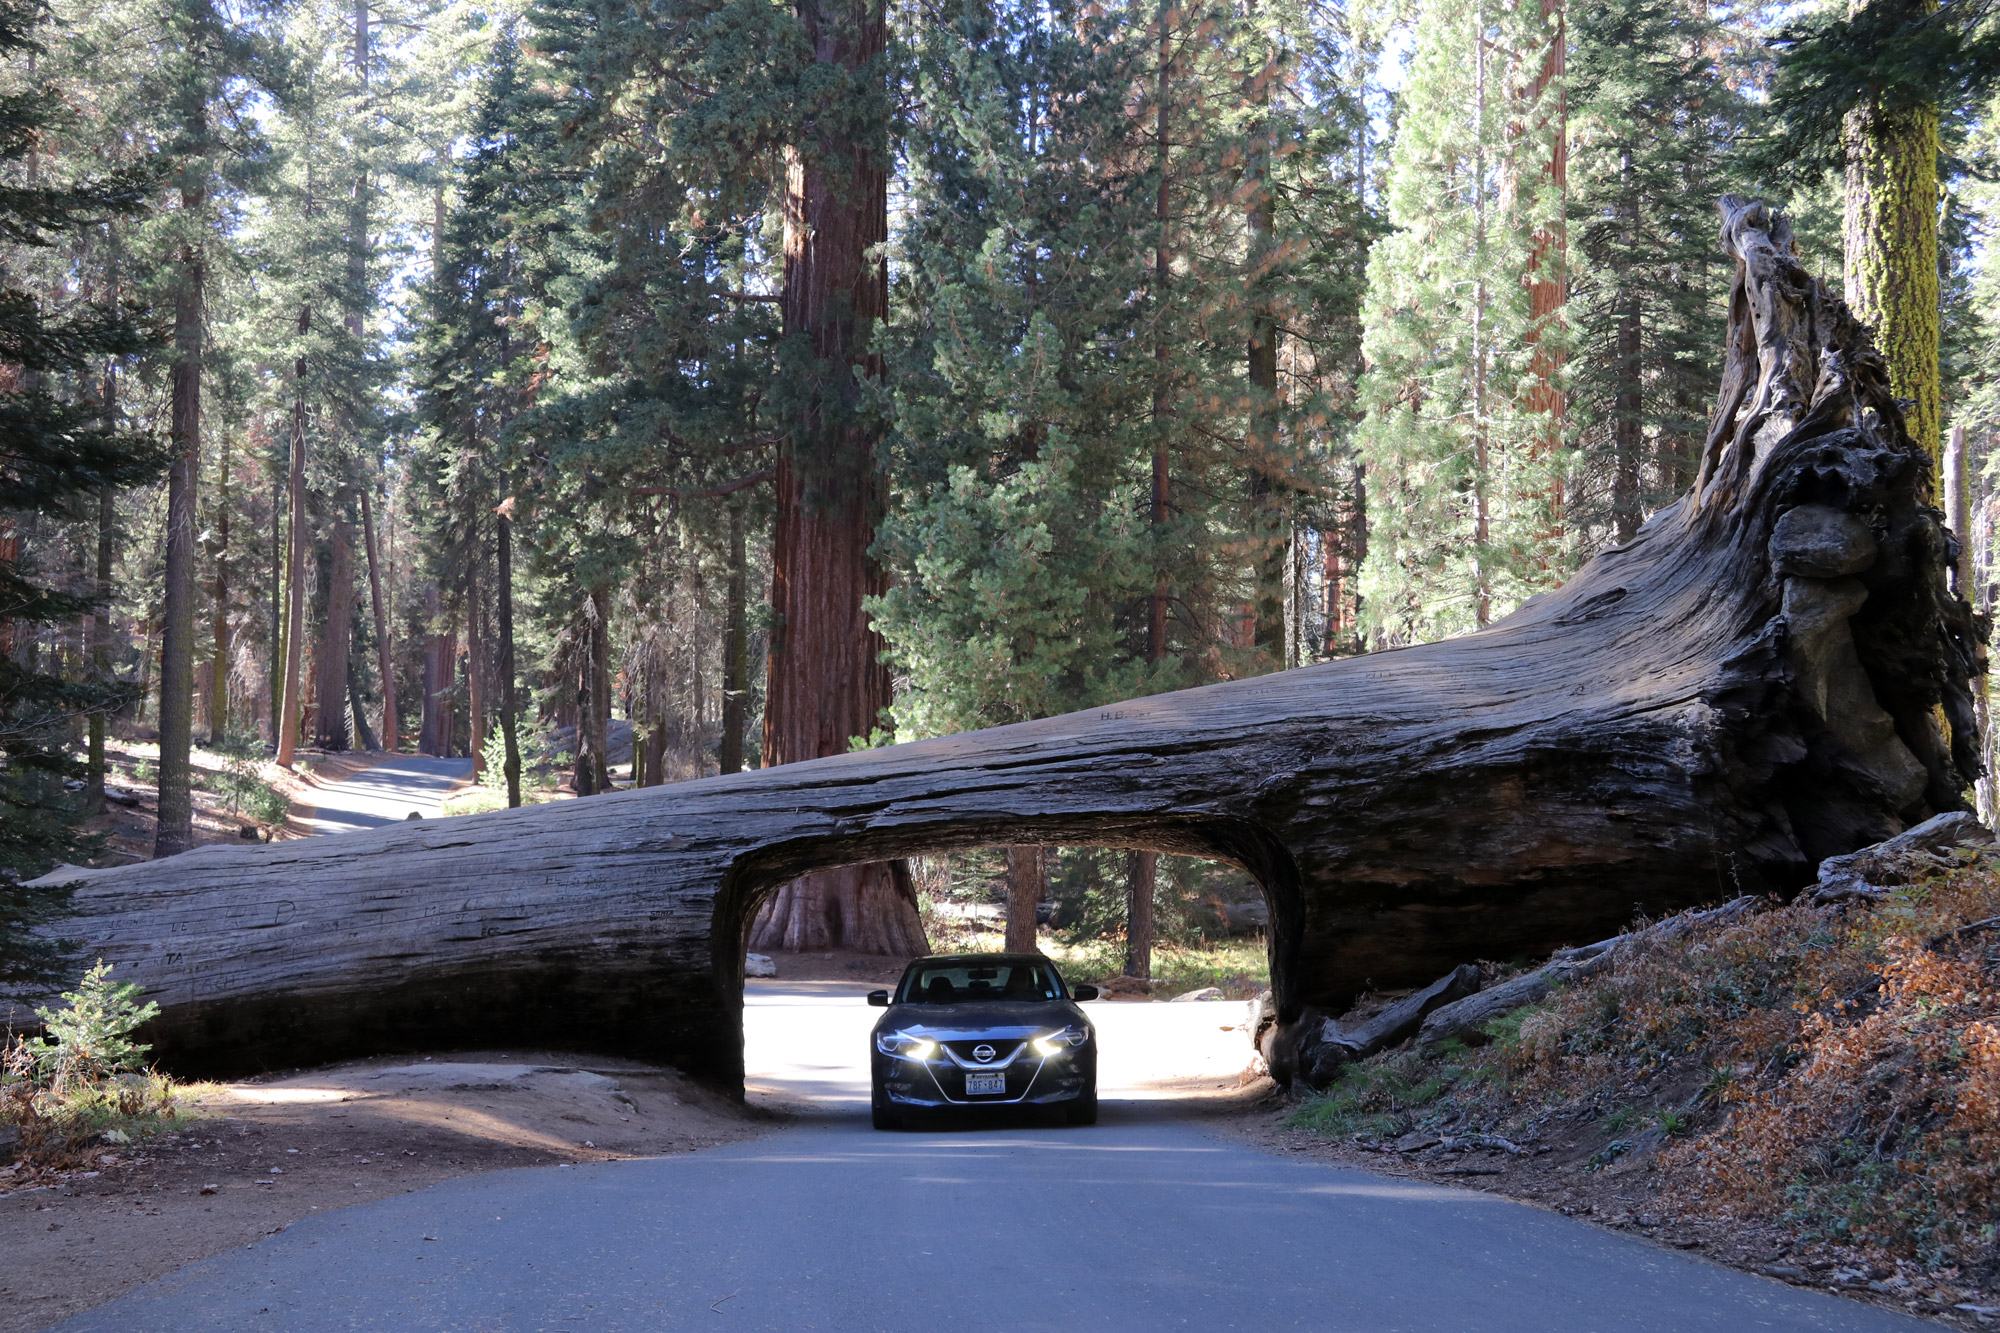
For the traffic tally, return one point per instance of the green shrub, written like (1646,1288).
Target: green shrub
(242,784)
(93,1033)
(477,801)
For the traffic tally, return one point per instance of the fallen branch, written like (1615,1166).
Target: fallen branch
(1466,1019)
(1869,874)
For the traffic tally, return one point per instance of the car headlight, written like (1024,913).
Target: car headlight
(1055,1043)
(906,1045)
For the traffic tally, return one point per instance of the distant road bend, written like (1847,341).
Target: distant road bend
(387,793)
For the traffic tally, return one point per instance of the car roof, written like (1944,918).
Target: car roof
(933,960)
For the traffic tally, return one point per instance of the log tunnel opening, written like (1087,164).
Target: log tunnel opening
(1240,843)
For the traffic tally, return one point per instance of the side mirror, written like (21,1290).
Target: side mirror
(878,999)
(1083,992)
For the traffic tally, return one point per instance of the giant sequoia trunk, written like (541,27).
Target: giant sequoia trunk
(1773,671)
(825,683)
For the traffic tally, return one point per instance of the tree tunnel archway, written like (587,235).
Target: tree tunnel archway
(1236,842)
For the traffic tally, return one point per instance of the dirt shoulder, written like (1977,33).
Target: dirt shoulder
(1569,1175)
(130,819)
(260,1155)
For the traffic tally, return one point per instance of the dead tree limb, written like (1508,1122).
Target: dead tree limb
(1772,672)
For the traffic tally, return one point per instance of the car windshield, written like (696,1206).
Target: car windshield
(976,980)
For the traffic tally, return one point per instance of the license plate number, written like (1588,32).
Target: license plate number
(977,1085)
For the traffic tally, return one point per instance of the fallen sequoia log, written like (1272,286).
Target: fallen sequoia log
(1752,684)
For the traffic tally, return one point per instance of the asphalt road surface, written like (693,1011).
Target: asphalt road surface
(387,793)
(1144,1221)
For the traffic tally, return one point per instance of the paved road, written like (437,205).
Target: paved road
(1145,1221)
(1142,1222)
(387,793)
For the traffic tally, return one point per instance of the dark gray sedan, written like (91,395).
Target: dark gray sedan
(987,1029)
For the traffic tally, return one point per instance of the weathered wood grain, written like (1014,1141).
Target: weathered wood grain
(1700,712)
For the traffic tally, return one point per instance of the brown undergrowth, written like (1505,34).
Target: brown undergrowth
(1832,1070)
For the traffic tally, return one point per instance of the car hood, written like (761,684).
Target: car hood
(1003,1018)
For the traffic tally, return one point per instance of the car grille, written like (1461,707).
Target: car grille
(1002,1051)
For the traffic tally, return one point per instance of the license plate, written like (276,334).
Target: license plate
(977,1085)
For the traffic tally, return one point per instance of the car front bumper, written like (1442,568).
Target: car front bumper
(1032,1080)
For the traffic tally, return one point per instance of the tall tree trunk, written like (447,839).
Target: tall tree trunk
(448,686)
(599,717)
(291,711)
(656,752)
(1142,871)
(385,655)
(1027,884)
(336,641)
(735,651)
(1271,511)
(475,678)
(1891,239)
(274,685)
(175,831)
(1548,280)
(588,777)
(503,539)
(1627,404)
(1958,517)
(1142,865)
(100,617)
(825,682)
(218,676)
(100,648)
(434,676)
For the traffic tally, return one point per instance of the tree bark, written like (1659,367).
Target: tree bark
(1891,240)
(475,678)
(175,831)
(1628,403)
(218,676)
(100,644)
(825,682)
(1027,885)
(291,711)
(593,695)
(503,540)
(1141,875)
(1270,510)
(1751,685)
(735,652)
(100,617)
(337,637)
(384,650)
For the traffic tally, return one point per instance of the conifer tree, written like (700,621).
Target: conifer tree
(57,456)
(1653,123)
(1465,483)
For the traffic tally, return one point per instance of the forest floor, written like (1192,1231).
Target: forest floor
(1807,1092)
(251,1158)
(130,824)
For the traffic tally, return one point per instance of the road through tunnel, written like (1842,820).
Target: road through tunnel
(804,1030)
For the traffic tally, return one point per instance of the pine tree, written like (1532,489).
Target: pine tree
(57,456)
(1653,125)
(1466,461)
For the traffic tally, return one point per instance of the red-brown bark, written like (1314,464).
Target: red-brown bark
(826,682)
